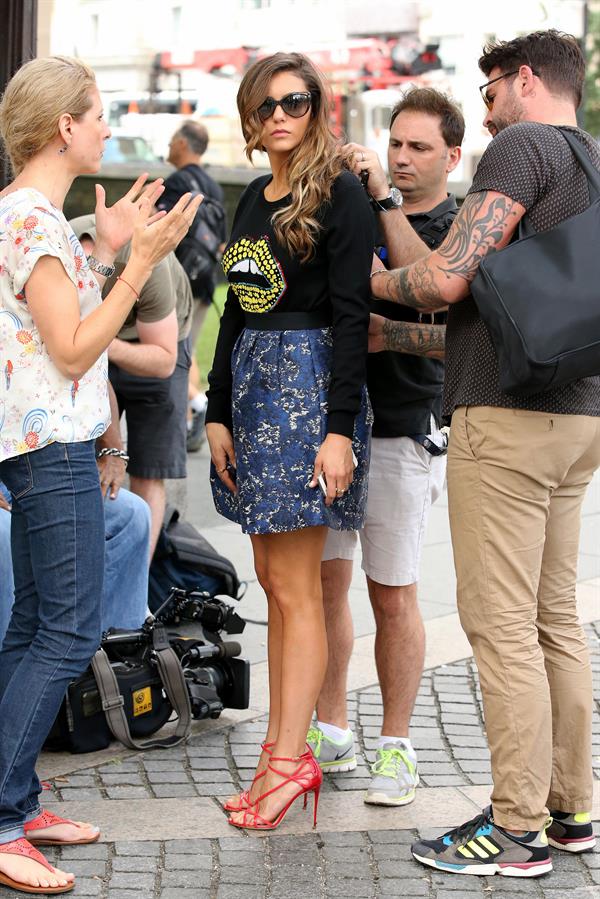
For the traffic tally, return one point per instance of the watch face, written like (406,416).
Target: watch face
(396,196)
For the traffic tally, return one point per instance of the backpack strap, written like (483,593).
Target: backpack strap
(433,232)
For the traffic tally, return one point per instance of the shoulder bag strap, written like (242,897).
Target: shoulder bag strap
(112,702)
(583,158)
(193,182)
(525,228)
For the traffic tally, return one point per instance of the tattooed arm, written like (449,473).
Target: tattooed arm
(415,338)
(485,224)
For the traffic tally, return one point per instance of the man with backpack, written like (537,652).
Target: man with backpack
(199,252)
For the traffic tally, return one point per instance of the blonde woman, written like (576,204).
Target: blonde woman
(54,331)
(288,413)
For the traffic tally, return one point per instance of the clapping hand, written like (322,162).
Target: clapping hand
(115,223)
(155,235)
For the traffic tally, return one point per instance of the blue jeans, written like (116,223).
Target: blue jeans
(57,539)
(7,584)
(127,532)
(127,523)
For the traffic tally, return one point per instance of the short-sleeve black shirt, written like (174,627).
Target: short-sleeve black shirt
(532,164)
(406,390)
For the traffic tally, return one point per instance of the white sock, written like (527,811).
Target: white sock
(337,734)
(199,403)
(406,740)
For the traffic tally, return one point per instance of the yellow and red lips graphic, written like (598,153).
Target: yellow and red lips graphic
(254,274)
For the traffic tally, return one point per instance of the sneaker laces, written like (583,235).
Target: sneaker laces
(315,738)
(467,831)
(389,762)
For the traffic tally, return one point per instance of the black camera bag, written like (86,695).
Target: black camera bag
(184,558)
(81,725)
(124,701)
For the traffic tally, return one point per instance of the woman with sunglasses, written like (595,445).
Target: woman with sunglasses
(288,415)
(54,331)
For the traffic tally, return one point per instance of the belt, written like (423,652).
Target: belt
(286,321)
(431,447)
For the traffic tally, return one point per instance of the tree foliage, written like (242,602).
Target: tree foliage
(592,79)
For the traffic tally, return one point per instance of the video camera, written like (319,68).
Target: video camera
(214,676)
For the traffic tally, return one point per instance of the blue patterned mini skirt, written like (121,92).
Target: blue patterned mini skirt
(279,405)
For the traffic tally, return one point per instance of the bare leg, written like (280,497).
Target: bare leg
(291,576)
(275,638)
(336,575)
(193,379)
(198,316)
(399,652)
(153,491)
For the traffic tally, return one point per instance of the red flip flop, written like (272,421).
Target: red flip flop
(47,819)
(24,848)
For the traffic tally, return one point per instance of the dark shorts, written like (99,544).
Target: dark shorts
(156,414)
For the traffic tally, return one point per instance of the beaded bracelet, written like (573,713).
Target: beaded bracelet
(113,451)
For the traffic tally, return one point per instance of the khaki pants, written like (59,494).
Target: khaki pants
(516,482)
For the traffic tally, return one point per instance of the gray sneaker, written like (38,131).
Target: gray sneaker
(331,756)
(395,776)
(197,433)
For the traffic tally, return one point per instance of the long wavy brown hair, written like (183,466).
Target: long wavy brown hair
(315,163)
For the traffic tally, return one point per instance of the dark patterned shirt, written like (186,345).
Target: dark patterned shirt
(533,165)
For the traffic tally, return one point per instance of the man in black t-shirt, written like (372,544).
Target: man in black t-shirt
(186,149)
(408,462)
(518,469)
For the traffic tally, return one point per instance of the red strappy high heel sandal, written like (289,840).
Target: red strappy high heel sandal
(243,800)
(307,776)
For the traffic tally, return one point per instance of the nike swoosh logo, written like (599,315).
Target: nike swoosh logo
(341,755)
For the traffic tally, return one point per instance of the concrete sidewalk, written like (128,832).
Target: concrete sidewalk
(164,833)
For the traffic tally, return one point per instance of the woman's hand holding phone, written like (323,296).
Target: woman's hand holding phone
(334,467)
(222,453)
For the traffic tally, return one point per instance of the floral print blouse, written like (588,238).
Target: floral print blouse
(39,405)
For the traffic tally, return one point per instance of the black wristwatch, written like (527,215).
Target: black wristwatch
(392,201)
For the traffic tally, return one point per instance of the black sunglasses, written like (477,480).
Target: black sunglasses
(489,101)
(295,105)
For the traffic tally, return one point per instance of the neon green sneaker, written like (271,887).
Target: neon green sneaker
(331,756)
(395,776)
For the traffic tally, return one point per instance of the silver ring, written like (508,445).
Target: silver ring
(362,157)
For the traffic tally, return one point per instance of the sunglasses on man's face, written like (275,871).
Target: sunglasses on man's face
(295,105)
(489,101)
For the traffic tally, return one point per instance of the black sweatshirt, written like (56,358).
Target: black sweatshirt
(264,278)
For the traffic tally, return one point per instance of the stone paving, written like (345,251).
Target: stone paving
(369,865)
(447,731)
